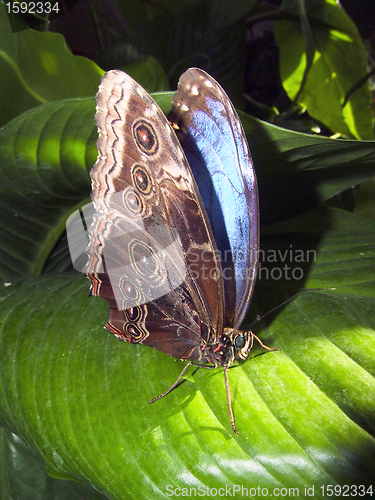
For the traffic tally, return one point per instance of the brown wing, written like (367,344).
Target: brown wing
(152,255)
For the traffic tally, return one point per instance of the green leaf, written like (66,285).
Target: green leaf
(309,168)
(79,397)
(22,475)
(306,32)
(339,62)
(37,68)
(364,205)
(148,73)
(45,156)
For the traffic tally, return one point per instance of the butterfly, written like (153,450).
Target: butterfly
(173,243)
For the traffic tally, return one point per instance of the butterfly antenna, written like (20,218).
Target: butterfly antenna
(259,318)
(173,385)
(229,400)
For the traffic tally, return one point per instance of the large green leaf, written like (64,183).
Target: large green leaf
(305,414)
(45,154)
(148,73)
(339,63)
(324,167)
(37,68)
(23,475)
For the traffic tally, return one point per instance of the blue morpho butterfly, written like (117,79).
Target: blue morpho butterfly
(177,263)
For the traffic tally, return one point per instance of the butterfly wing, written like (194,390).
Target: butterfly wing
(214,142)
(150,233)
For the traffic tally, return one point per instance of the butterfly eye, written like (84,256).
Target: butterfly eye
(142,180)
(240,341)
(128,289)
(145,137)
(135,332)
(133,313)
(132,201)
(143,259)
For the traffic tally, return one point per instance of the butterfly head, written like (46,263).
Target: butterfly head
(233,344)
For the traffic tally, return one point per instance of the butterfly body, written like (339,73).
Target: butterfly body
(176,262)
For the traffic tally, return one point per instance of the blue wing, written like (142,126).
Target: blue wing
(214,142)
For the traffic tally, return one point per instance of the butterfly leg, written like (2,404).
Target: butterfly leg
(229,400)
(173,385)
(261,343)
(226,368)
